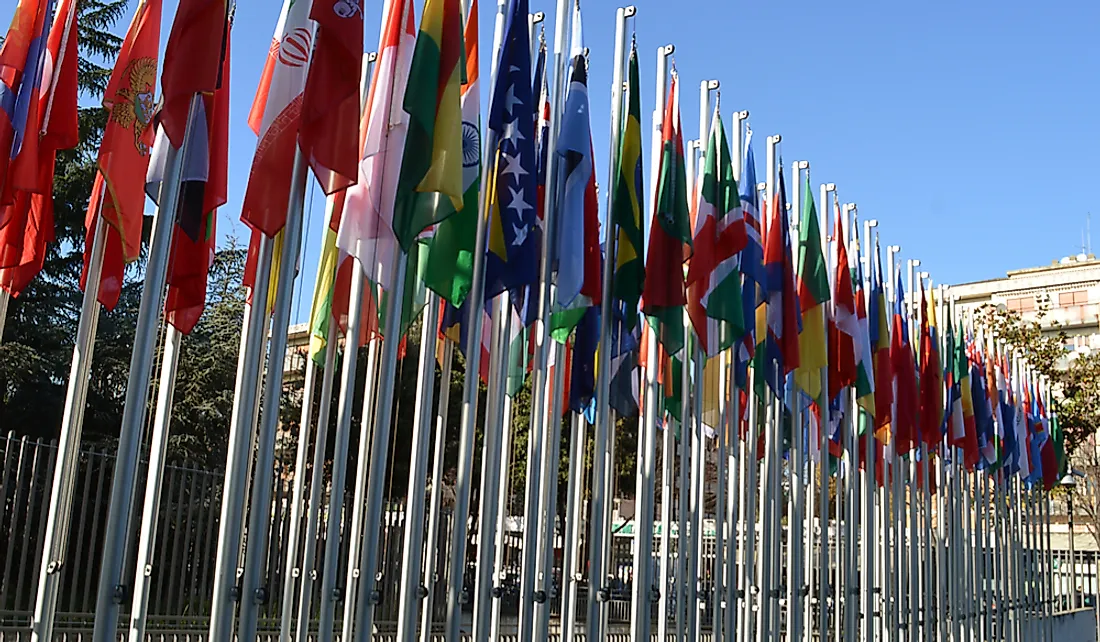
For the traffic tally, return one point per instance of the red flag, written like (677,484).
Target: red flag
(202,193)
(329,130)
(110,280)
(192,61)
(124,152)
(843,324)
(931,377)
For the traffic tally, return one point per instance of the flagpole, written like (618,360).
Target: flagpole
(823,599)
(532,563)
(457,560)
(899,615)
(548,495)
(503,499)
(749,496)
(429,578)
(570,571)
(600,503)
(870,486)
(851,479)
(55,541)
(111,586)
(490,469)
(797,465)
(316,484)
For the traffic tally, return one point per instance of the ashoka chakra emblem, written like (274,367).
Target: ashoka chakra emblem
(471,145)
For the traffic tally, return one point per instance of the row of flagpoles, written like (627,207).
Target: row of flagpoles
(874,477)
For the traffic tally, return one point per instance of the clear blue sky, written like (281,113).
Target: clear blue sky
(968,129)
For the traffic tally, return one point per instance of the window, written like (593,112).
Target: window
(1021,304)
(1070,299)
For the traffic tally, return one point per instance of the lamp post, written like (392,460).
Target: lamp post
(1070,484)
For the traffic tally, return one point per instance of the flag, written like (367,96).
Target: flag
(962,431)
(191,65)
(625,349)
(931,374)
(865,376)
(782,318)
(275,118)
(449,271)
(430,185)
(124,150)
(905,373)
(813,294)
(22,58)
(626,205)
(202,192)
(752,261)
(663,296)
(881,344)
(26,223)
(114,267)
(365,231)
(713,278)
(330,100)
(512,260)
(582,374)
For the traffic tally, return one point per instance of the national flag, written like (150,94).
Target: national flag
(453,326)
(813,294)
(582,374)
(663,296)
(202,192)
(578,228)
(880,345)
(713,278)
(113,268)
(962,431)
(330,101)
(512,260)
(192,63)
(26,223)
(844,322)
(782,316)
(905,372)
(449,272)
(1049,450)
(275,118)
(22,58)
(365,231)
(124,150)
(988,444)
(627,202)
(865,377)
(625,352)
(1058,439)
(751,261)
(431,171)
(931,374)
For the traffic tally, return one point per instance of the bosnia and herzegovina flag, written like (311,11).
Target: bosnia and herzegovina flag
(431,169)
(663,297)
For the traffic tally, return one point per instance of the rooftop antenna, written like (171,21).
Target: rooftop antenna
(1088,233)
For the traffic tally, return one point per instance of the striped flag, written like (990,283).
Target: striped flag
(813,295)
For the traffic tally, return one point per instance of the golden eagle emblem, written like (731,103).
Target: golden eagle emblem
(134,105)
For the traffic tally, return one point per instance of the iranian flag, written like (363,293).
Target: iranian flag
(275,115)
(713,278)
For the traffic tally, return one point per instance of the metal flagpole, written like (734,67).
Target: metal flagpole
(5,298)
(899,614)
(823,599)
(111,586)
(330,588)
(457,562)
(642,594)
(870,584)
(547,515)
(503,497)
(915,587)
(698,454)
(797,463)
(600,503)
(570,570)
(411,573)
(55,544)
(254,592)
(539,401)
(316,489)
(722,551)
(683,492)
(158,448)
(430,571)
(490,465)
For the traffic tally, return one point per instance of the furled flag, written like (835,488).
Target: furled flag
(450,267)
(514,233)
(663,296)
(330,101)
(981,394)
(813,295)
(625,352)
(431,171)
(752,261)
(202,192)
(1006,415)
(365,231)
(880,342)
(275,118)
(713,278)
(931,374)
(843,324)
(905,374)
(578,258)
(962,432)
(192,63)
(124,152)
(627,199)
(26,223)
(782,316)
(865,377)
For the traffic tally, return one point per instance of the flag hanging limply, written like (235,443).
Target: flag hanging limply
(626,205)
(813,295)
(431,169)
(663,297)
(713,278)
(905,373)
(515,235)
(865,376)
(449,272)
(782,317)
(931,375)
(753,292)
(193,63)
(879,332)
(275,117)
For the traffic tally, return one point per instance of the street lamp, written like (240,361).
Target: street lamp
(1070,484)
